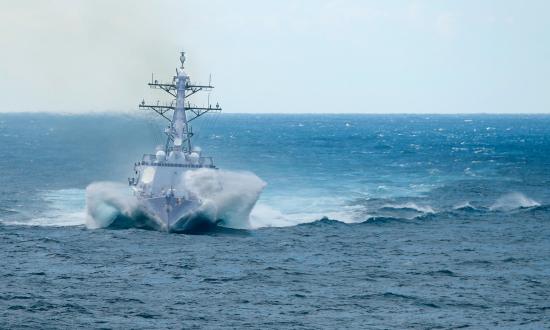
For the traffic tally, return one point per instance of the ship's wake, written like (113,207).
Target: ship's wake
(227,198)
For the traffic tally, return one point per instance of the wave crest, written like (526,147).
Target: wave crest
(105,201)
(513,201)
(226,195)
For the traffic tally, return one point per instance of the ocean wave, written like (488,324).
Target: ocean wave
(371,220)
(324,221)
(112,205)
(540,208)
(110,201)
(441,272)
(65,207)
(226,195)
(408,206)
(466,206)
(513,201)
(396,297)
(383,220)
(8,211)
(265,215)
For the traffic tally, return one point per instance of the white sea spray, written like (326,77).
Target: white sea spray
(225,195)
(105,201)
(512,201)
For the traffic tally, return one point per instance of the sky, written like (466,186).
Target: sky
(279,56)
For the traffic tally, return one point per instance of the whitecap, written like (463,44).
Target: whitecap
(65,207)
(410,206)
(512,201)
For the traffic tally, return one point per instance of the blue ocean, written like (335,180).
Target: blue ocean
(365,222)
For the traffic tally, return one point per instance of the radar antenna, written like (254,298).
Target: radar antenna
(180,113)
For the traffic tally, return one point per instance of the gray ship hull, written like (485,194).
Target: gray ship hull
(174,214)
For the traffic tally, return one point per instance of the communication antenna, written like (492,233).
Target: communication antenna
(167,109)
(210,90)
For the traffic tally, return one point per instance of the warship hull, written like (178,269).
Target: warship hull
(178,215)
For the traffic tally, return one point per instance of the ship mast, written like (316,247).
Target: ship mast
(179,131)
(179,124)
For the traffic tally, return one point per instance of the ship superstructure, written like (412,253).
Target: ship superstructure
(159,181)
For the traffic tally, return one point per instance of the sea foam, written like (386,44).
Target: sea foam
(226,195)
(107,200)
(513,201)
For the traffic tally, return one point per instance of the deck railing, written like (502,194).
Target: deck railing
(151,160)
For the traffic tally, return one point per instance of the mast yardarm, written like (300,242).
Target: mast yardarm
(179,131)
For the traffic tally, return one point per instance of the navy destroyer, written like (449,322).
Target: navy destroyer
(159,181)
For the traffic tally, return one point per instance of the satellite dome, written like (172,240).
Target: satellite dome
(194,158)
(161,156)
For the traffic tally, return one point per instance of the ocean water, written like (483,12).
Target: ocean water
(367,221)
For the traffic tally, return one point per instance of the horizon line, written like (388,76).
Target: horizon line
(138,113)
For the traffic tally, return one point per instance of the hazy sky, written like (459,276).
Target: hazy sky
(280,55)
